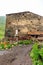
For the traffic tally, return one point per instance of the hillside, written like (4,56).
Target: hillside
(2,26)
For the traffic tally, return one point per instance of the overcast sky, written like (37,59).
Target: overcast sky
(12,6)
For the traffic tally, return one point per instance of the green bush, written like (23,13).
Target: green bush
(20,42)
(34,53)
(1,46)
(41,53)
(8,46)
(37,55)
(37,62)
(25,42)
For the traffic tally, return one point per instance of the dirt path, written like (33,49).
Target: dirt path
(16,56)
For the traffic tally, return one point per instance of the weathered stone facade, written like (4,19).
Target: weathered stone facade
(24,22)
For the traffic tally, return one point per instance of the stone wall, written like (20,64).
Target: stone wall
(24,22)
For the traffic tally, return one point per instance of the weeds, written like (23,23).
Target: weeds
(37,54)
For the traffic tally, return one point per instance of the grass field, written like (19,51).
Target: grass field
(2,26)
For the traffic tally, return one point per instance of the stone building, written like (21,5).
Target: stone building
(22,23)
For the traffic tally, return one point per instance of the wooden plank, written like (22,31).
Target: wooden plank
(35,33)
(40,38)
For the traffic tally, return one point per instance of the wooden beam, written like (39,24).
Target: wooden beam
(40,38)
(35,33)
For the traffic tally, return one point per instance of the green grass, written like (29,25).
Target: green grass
(2,32)
(25,42)
(2,26)
(37,54)
(7,45)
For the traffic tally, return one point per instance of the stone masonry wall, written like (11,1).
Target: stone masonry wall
(24,22)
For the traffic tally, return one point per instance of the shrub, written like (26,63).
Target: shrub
(1,46)
(41,53)
(34,53)
(25,42)
(8,46)
(37,55)
(20,42)
(37,62)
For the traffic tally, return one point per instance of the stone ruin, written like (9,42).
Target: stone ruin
(24,24)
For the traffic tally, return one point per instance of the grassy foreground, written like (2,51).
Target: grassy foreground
(37,54)
(6,45)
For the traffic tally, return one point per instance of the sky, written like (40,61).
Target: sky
(15,6)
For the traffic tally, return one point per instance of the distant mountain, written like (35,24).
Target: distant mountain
(2,20)
(2,26)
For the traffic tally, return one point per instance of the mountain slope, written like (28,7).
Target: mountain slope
(2,26)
